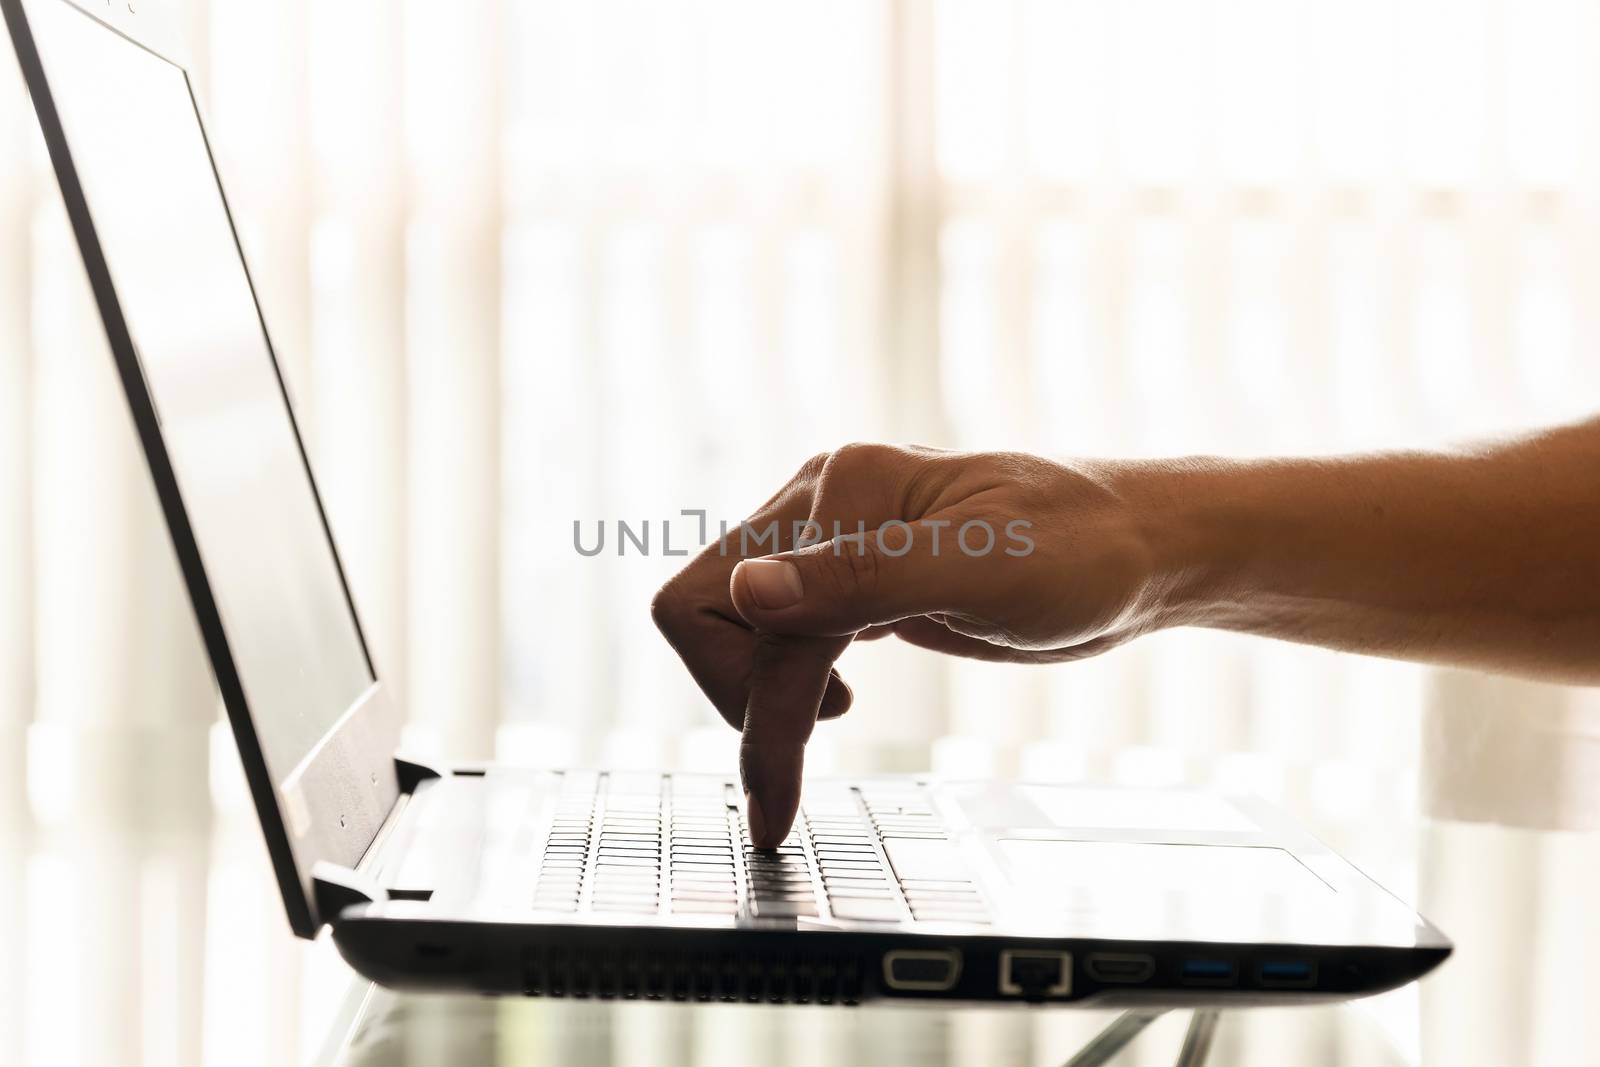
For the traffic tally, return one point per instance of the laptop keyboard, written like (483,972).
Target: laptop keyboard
(662,845)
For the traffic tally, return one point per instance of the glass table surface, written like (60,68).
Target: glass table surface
(375,1027)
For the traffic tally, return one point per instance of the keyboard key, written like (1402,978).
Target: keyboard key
(729,902)
(868,910)
(859,893)
(955,896)
(638,905)
(705,907)
(781,889)
(970,918)
(558,885)
(782,909)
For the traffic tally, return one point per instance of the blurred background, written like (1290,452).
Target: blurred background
(530,263)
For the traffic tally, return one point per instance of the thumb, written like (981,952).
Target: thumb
(847,584)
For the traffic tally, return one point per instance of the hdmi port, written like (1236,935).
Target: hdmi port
(1119,968)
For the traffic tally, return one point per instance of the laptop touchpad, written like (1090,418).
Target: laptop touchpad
(1043,807)
(1111,868)
(1126,889)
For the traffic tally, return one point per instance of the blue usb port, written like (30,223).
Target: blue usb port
(1287,973)
(1206,971)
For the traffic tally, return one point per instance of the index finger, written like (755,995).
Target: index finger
(788,679)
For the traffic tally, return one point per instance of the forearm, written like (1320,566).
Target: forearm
(1486,557)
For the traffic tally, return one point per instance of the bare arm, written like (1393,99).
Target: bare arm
(1486,557)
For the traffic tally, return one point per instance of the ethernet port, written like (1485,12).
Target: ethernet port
(1035,974)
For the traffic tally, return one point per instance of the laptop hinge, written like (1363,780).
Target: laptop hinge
(336,888)
(410,773)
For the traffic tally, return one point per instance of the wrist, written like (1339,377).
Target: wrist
(1193,533)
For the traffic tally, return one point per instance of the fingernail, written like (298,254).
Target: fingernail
(758,823)
(772,583)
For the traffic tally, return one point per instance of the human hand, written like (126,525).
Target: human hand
(996,556)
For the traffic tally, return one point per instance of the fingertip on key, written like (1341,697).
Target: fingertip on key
(758,823)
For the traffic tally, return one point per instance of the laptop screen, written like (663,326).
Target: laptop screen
(155,201)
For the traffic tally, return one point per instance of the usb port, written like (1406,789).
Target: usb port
(1287,973)
(1119,968)
(1202,971)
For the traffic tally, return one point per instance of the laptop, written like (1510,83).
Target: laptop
(588,882)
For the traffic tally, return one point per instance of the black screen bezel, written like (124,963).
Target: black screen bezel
(331,806)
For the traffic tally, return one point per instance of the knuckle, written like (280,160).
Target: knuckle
(812,469)
(856,459)
(766,657)
(777,657)
(800,488)
(857,571)
(666,609)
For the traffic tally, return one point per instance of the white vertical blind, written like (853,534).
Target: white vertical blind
(16,541)
(453,57)
(534,263)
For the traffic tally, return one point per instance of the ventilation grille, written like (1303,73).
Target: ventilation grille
(661,975)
